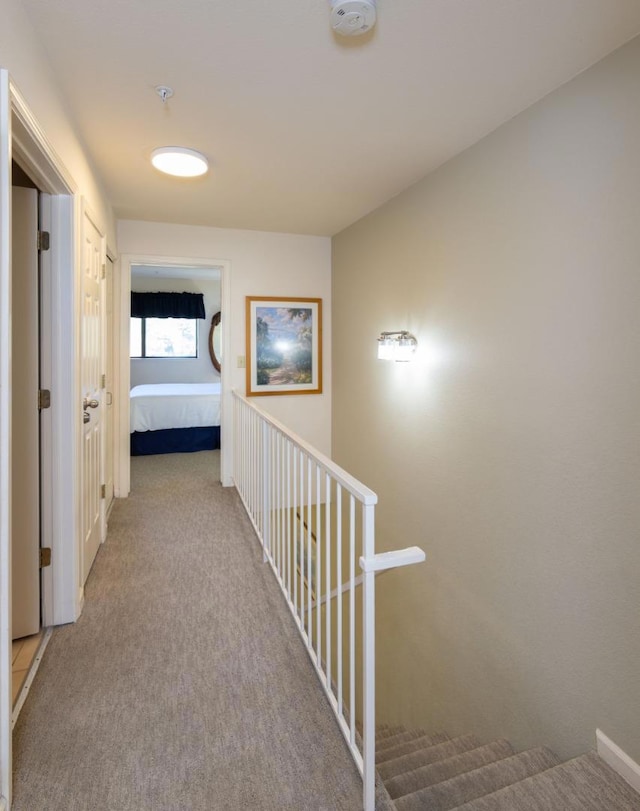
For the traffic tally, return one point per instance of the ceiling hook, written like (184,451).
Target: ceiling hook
(164,92)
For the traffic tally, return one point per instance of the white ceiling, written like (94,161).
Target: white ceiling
(306,132)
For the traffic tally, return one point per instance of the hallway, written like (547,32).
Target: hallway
(183,686)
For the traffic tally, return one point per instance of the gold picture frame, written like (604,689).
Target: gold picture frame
(284,345)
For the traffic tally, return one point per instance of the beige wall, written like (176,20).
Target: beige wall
(179,370)
(262,264)
(23,56)
(510,449)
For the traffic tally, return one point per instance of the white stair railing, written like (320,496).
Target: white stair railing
(315,523)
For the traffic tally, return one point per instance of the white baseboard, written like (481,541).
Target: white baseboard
(619,761)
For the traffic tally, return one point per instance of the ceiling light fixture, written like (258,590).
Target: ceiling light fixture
(179,161)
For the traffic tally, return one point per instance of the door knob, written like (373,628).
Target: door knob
(87,403)
(86,417)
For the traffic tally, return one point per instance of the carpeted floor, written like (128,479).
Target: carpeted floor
(183,686)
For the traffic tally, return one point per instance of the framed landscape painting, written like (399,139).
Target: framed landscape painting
(284,345)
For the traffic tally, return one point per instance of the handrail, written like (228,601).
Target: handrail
(349,482)
(417,556)
(315,522)
(392,560)
(339,590)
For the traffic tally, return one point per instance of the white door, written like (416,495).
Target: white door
(92,366)
(25,422)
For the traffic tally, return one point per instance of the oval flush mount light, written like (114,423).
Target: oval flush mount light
(179,161)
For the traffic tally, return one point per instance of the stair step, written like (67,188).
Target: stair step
(446,769)
(413,745)
(385,731)
(400,737)
(583,784)
(478,783)
(423,757)
(382,801)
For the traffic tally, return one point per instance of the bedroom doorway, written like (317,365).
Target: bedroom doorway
(173,394)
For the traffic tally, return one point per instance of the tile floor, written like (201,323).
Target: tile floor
(22,655)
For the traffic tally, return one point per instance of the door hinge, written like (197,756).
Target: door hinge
(104,270)
(44,399)
(103,491)
(43,240)
(45,556)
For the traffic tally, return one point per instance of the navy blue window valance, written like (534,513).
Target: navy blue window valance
(167,305)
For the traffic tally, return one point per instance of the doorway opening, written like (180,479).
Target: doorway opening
(23,142)
(173,394)
(29,400)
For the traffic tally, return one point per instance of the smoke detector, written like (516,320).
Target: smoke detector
(350,18)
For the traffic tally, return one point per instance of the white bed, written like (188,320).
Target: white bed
(172,407)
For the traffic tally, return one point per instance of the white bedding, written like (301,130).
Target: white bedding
(174,405)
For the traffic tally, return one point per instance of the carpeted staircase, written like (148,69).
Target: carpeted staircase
(437,773)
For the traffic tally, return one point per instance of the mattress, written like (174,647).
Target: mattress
(158,406)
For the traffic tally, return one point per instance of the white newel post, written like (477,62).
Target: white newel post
(369,665)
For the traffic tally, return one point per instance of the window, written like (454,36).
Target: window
(164,338)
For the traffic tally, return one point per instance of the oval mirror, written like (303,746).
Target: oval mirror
(215,341)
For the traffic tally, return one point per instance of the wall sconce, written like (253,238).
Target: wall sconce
(399,345)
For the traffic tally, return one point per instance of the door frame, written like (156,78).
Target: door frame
(61,211)
(112,383)
(22,139)
(122,371)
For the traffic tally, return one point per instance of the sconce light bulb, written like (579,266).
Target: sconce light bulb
(399,346)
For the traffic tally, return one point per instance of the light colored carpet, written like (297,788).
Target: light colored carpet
(183,686)
(462,775)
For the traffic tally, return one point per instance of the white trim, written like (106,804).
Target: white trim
(619,761)
(22,138)
(122,461)
(64,414)
(226,429)
(5,434)
(392,560)
(31,675)
(32,147)
(46,416)
(35,154)
(121,377)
